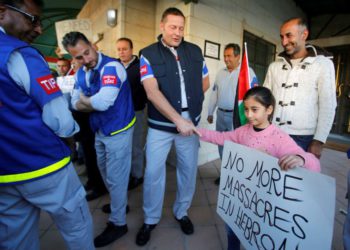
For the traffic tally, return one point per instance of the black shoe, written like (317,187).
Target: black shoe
(88,187)
(93,194)
(134,182)
(144,234)
(110,234)
(217,181)
(107,208)
(186,225)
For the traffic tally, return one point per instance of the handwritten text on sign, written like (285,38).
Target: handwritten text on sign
(272,209)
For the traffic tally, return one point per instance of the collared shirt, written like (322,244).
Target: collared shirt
(127,65)
(57,118)
(147,72)
(224,89)
(107,94)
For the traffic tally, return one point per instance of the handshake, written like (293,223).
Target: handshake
(186,127)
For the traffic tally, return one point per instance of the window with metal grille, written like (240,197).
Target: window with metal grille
(260,54)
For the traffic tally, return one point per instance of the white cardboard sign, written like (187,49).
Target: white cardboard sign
(66,83)
(63,27)
(272,209)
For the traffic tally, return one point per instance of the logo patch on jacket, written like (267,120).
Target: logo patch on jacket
(48,83)
(143,70)
(109,80)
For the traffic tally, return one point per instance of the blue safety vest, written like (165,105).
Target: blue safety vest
(29,149)
(120,116)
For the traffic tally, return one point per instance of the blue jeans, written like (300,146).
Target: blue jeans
(233,242)
(303,141)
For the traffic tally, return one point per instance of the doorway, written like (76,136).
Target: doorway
(341,125)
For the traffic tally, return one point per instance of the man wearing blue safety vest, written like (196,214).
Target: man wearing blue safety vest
(102,89)
(35,167)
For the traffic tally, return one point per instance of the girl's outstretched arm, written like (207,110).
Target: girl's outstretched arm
(216,137)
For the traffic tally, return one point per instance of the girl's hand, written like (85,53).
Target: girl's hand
(291,161)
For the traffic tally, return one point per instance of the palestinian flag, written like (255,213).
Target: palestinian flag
(244,84)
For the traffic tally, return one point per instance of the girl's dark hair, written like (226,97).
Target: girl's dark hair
(263,96)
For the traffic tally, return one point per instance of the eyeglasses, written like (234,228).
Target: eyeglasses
(35,20)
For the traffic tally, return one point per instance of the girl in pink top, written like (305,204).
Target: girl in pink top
(260,134)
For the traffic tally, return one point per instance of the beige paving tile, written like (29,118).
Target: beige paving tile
(208,172)
(202,216)
(222,235)
(200,198)
(99,219)
(135,199)
(208,184)
(135,217)
(167,238)
(205,237)
(212,196)
(217,218)
(169,198)
(168,219)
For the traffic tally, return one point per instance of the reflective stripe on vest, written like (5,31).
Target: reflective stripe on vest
(125,128)
(13,178)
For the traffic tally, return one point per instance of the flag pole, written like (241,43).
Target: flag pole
(246,52)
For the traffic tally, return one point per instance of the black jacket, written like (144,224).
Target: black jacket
(138,93)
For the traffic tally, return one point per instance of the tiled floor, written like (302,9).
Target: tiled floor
(209,229)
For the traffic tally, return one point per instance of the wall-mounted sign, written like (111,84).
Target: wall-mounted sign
(212,50)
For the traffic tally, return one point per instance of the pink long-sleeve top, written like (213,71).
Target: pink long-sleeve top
(271,140)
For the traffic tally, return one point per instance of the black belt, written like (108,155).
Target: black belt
(226,110)
(184,109)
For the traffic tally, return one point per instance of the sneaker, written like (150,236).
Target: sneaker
(144,234)
(107,208)
(110,234)
(134,182)
(186,225)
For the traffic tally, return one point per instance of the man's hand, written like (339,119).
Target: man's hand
(315,148)
(290,161)
(185,127)
(84,104)
(210,119)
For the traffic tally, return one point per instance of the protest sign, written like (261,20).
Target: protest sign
(272,209)
(66,83)
(63,27)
